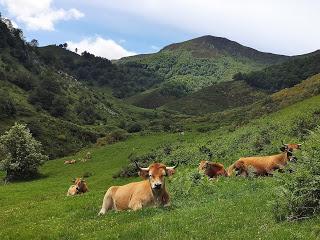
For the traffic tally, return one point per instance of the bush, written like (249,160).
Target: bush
(299,194)
(113,137)
(134,127)
(174,88)
(20,153)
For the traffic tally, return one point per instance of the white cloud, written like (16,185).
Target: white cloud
(100,47)
(288,26)
(38,14)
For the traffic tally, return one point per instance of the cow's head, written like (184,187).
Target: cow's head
(79,183)
(292,146)
(203,165)
(289,152)
(156,173)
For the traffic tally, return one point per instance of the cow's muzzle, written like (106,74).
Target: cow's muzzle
(157,186)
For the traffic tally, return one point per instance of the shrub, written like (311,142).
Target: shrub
(134,127)
(113,137)
(20,153)
(299,194)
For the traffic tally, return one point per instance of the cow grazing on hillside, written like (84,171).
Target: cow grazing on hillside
(70,161)
(149,192)
(262,165)
(80,186)
(211,169)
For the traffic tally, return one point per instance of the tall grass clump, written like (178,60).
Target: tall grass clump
(299,191)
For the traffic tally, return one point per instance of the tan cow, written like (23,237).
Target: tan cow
(262,165)
(80,186)
(136,195)
(211,169)
(70,161)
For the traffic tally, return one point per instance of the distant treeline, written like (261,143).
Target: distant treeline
(284,75)
(125,80)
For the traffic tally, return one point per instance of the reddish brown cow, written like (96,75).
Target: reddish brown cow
(211,169)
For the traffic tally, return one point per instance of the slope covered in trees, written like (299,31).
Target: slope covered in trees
(124,80)
(64,113)
(283,75)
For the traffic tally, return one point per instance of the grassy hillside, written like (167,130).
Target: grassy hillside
(216,98)
(192,65)
(236,117)
(230,208)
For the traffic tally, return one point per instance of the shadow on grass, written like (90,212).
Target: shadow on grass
(38,176)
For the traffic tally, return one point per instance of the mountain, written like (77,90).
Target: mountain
(64,112)
(198,63)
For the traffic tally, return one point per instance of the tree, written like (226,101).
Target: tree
(20,153)
(34,43)
(65,45)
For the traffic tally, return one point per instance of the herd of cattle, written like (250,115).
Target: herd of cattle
(152,191)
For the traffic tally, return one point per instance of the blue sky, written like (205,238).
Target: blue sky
(117,28)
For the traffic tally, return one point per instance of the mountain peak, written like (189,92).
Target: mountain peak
(212,46)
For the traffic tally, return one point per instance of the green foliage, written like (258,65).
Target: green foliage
(125,80)
(113,137)
(135,127)
(298,196)
(216,98)
(7,105)
(21,154)
(284,75)
(174,88)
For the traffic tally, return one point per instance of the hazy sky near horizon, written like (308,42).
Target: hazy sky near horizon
(114,29)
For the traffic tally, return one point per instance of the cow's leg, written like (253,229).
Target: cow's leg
(135,205)
(107,203)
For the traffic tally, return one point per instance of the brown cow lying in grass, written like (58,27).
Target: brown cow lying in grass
(264,165)
(136,195)
(70,161)
(211,169)
(79,187)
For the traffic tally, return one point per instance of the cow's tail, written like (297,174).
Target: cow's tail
(108,202)
(230,170)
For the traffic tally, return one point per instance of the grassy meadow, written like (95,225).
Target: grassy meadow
(227,208)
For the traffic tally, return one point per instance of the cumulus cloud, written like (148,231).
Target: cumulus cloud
(287,26)
(38,14)
(100,47)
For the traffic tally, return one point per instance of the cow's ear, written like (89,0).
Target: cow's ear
(73,180)
(144,173)
(283,149)
(170,171)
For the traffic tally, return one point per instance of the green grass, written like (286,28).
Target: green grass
(233,208)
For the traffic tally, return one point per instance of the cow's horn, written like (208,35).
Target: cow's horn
(140,168)
(171,168)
